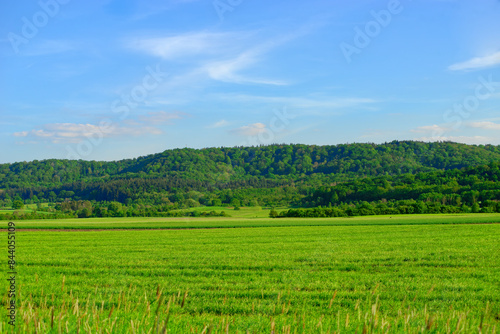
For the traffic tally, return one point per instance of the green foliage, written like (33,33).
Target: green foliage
(221,165)
(355,179)
(475,208)
(17,204)
(84,213)
(472,189)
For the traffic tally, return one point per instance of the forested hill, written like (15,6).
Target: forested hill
(285,162)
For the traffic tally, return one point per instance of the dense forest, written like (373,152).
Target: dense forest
(353,178)
(472,189)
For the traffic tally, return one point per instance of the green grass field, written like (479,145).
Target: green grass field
(243,212)
(28,208)
(10,211)
(405,274)
(234,222)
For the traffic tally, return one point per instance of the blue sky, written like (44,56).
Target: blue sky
(106,80)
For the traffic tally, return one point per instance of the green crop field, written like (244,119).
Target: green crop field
(218,222)
(243,212)
(411,274)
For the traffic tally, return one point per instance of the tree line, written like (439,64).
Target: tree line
(401,176)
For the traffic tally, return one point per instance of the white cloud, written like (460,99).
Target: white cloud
(218,56)
(485,125)
(433,133)
(471,140)
(219,124)
(75,132)
(159,117)
(21,134)
(478,62)
(250,130)
(226,70)
(301,102)
(181,46)
(431,128)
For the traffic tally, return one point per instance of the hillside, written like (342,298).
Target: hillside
(215,165)
(444,186)
(278,175)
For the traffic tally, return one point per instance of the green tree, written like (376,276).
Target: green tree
(273,213)
(52,196)
(84,213)
(476,208)
(17,205)
(115,209)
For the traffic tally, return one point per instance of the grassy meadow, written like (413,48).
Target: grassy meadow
(405,274)
(242,222)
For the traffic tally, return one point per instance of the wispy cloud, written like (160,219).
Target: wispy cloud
(250,130)
(58,133)
(471,140)
(160,117)
(431,128)
(477,63)
(184,45)
(301,102)
(220,124)
(149,124)
(433,133)
(485,125)
(227,70)
(218,56)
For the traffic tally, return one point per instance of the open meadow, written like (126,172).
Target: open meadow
(412,274)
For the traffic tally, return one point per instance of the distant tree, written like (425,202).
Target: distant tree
(17,205)
(465,209)
(7,202)
(84,213)
(273,213)
(235,202)
(476,208)
(52,196)
(115,209)
(191,203)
